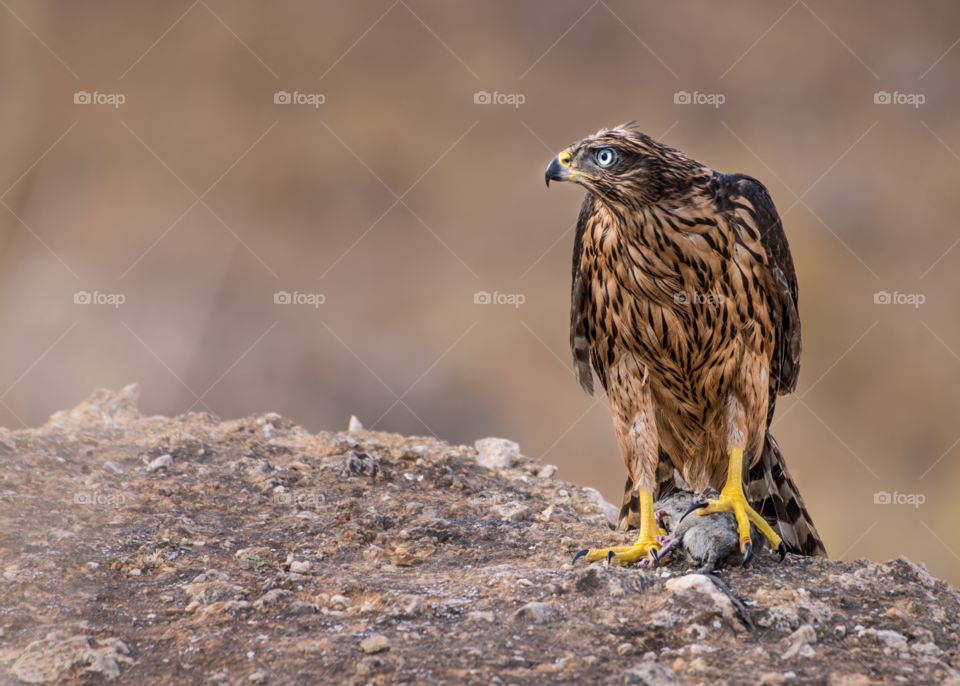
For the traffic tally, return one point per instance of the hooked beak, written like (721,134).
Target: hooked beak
(559,168)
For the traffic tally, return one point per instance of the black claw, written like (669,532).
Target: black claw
(656,558)
(783,550)
(695,506)
(610,555)
(747,552)
(576,557)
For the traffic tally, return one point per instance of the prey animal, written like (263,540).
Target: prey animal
(685,304)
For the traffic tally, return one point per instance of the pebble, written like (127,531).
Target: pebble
(626,649)
(375,644)
(193,607)
(497,453)
(339,602)
(161,462)
(541,613)
(258,678)
(547,471)
(354,426)
(112,467)
(300,567)
(480,616)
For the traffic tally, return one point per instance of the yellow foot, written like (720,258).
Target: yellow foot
(732,499)
(645,549)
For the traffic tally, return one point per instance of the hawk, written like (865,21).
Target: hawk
(684,303)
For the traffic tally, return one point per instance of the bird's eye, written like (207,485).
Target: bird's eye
(606,157)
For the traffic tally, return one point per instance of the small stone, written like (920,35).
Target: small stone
(258,678)
(840,630)
(355,426)
(410,606)
(300,567)
(566,567)
(375,644)
(112,467)
(172,611)
(497,453)
(480,617)
(771,679)
(800,639)
(568,542)
(161,462)
(339,602)
(541,613)
(894,613)
(525,582)
(301,467)
(193,607)
(547,471)
(626,649)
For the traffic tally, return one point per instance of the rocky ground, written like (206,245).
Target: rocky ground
(189,550)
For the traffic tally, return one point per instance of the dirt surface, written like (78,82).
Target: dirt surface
(189,550)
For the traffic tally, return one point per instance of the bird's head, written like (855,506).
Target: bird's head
(624,167)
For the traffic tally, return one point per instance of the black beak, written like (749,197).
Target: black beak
(555,172)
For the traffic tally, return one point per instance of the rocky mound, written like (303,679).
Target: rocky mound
(191,550)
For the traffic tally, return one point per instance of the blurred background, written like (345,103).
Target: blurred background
(399,198)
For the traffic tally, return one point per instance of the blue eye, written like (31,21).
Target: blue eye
(606,156)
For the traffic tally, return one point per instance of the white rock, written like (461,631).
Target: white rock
(161,462)
(375,644)
(799,640)
(540,613)
(300,567)
(700,585)
(112,467)
(339,602)
(497,453)
(609,510)
(355,426)
(547,472)
(480,616)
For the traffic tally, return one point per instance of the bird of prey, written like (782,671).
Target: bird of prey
(684,303)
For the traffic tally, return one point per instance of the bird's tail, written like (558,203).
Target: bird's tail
(771,492)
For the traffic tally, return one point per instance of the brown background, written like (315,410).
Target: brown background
(310,207)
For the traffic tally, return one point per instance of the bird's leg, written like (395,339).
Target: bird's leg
(645,546)
(732,499)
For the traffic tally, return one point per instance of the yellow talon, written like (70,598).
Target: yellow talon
(646,545)
(732,499)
